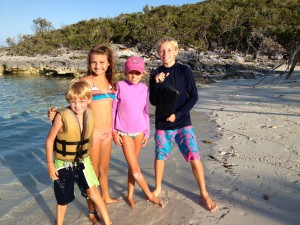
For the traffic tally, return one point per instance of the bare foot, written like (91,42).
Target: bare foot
(156,200)
(111,200)
(130,202)
(94,218)
(209,204)
(156,191)
(108,223)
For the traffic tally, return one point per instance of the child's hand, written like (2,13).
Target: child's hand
(171,118)
(52,171)
(118,139)
(52,113)
(159,78)
(144,141)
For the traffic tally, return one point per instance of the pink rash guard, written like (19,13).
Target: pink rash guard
(131,108)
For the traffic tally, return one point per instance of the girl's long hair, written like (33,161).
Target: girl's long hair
(110,73)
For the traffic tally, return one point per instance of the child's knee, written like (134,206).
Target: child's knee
(136,175)
(103,171)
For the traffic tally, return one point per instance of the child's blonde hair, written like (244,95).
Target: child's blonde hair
(164,40)
(78,89)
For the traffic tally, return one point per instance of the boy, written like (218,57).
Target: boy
(173,121)
(71,138)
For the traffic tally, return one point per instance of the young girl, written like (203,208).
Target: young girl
(132,124)
(101,71)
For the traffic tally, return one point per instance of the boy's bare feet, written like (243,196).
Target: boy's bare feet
(156,191)
(94,218)
(209,204)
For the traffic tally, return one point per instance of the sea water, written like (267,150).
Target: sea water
(24,125)
(26,191)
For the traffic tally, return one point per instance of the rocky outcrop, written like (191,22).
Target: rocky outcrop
(42,65)
(207,66)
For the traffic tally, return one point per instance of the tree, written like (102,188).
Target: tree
(146,9)
(10,42)
(41,25)
(293,61)
(250,26)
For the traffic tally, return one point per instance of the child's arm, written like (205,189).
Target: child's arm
(152,84)
(144,141)
(56,127)
(114,109)
(52,113)
(191,89)
(154,79)
(147,121)
(117,138)
(146,116)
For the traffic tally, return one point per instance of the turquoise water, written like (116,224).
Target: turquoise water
(24,125)
(26,192)
(23,110)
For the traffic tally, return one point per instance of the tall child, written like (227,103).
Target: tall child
(168,79)
(132,124)
(71,137)
(101,72)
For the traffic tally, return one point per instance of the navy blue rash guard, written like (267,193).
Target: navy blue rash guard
(182,79)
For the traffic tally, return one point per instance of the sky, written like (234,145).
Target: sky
(16,16)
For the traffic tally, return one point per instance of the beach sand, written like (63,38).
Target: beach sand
(249,145)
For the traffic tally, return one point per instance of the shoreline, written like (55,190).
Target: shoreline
(206,66)
(250,160)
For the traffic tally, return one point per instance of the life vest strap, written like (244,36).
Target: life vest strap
(70,153)
(64,143)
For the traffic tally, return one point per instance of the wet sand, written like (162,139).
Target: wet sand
(249,144)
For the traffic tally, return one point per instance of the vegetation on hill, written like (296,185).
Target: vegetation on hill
(249,26)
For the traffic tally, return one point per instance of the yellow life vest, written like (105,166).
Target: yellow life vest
(71,143)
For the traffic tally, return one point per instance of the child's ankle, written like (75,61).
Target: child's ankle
(93,216)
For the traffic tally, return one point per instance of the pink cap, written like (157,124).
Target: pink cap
(134,63)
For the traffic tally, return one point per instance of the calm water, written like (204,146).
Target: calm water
(24,125)
(26,192)
(23,110)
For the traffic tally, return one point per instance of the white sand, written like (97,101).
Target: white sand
(252,168)
(255,172)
